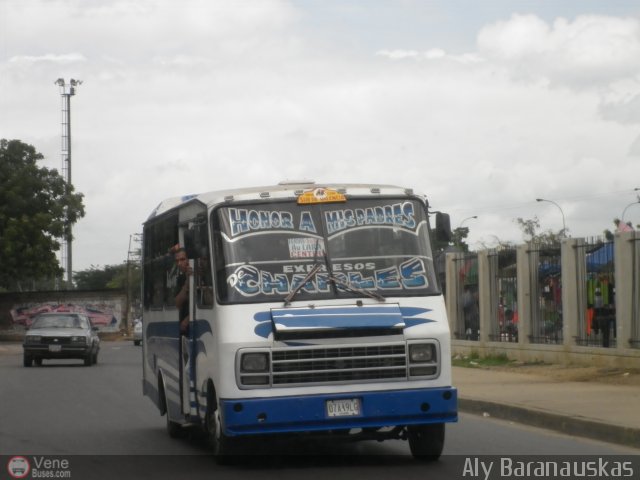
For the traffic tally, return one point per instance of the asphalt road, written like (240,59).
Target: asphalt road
(98,417)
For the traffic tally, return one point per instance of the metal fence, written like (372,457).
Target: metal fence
(546,283)
(468,325)
(597,327)
(504,295)
(576,301)
(634,341)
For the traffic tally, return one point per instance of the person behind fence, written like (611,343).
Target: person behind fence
(471,313)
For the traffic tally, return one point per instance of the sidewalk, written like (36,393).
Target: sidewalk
(602,411)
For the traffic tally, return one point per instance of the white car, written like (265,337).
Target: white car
(137,332)
(61,335)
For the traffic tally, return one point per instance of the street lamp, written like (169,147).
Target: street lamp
(468,218)
(564,225)
(625,208)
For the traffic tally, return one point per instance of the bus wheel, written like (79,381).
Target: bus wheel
(223,447)
(426,441)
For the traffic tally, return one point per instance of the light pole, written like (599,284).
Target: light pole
(564,225)
(468,218)
(67,90)
(460,234)
(625,208)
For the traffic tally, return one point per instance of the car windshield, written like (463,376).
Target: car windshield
(59,321)
(363,247)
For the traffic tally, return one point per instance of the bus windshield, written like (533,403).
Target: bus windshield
(283,251)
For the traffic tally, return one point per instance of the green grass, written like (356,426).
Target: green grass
(473,360)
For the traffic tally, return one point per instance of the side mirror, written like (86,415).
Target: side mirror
(443,227)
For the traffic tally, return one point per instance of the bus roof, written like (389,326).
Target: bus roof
(283,190)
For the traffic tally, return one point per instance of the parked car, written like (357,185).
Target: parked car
(61,335)
(137,332)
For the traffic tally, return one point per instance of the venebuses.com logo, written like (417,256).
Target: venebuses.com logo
(18,467)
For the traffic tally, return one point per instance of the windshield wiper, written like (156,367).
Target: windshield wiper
(292,293)
(312,272)
(332,278)
(363,291)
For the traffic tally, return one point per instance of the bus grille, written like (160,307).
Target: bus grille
(316,365)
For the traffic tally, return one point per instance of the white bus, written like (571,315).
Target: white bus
(314,310)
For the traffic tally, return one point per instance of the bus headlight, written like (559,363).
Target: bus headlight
(423,360)
(254,362)
(422,353)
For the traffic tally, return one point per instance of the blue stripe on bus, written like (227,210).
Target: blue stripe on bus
(343,317)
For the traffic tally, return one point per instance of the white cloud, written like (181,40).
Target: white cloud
(590,51)
(183,97)
(61,59)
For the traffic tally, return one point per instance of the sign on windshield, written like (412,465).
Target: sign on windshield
(265,251)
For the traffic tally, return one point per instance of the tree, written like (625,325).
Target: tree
(117,277)
(459,235)
(530,229)
(37,206)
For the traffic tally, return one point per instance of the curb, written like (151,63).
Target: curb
(574,426)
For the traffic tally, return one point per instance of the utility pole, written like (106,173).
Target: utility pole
(67,90)
(133,258)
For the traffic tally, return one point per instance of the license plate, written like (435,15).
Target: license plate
(55,348)
(346,407)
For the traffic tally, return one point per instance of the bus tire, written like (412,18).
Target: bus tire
(426,441)
(223,447)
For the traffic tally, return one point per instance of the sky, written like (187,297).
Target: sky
(483,106)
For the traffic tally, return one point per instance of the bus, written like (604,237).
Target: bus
(314,310)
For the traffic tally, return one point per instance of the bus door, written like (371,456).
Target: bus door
(200,306)
(186,341)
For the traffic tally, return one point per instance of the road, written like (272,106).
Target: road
(64,409)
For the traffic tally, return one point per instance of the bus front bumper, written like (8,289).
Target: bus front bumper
(339,411)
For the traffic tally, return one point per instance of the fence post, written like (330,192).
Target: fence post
(523,269)
(624,246)
(486,294)
(573,301)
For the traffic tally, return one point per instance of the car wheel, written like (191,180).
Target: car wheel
(95,358)
(136,343)
(27,360)
(87,360)
(426,441)
(38,362)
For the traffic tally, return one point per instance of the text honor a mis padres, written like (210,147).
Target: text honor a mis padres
(551,467)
